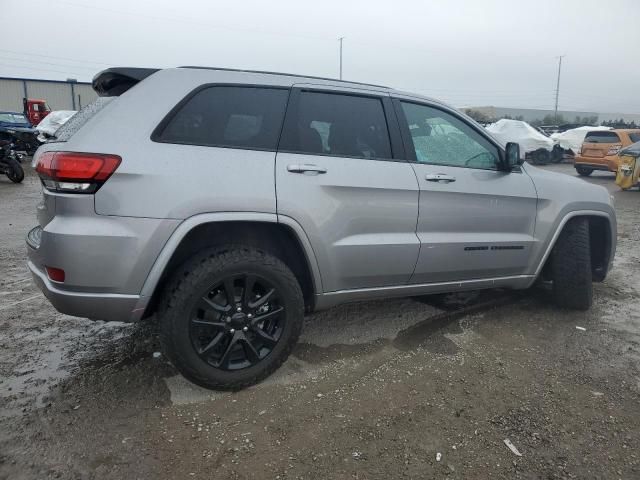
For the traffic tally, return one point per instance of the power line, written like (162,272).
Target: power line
(73,67)
(52,56)
(66,72)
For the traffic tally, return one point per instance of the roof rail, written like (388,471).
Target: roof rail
(281,73)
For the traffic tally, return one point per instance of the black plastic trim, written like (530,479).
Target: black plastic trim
(113,82)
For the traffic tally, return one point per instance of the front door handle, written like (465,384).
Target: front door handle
(439,177)
(306,168)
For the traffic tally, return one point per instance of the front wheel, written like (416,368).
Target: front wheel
(14,170)
(231,317)
(571,266)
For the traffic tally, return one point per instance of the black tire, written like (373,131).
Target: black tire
(196,280)
(571,266)
(584,171)
(15,171)
(540,157)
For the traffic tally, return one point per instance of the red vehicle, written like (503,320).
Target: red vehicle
(35,110)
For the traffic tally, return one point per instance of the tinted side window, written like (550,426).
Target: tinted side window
(240,117)
(443,139)
(602,137)
(339,125)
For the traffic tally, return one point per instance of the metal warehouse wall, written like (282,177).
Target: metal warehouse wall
(59,95)
(11,93)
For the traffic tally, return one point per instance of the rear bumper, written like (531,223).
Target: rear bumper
(607,164)
(106,261)
(98,306)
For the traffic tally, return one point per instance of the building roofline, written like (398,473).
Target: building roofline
(22,79)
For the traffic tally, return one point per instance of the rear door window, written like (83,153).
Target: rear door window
(227,116)
(602,137)
(337,124)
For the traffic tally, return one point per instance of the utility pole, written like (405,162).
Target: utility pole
(558,87)
(340,40)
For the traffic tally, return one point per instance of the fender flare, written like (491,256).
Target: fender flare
(156,272)
(563,222)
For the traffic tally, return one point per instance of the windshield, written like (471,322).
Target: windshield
(13,118)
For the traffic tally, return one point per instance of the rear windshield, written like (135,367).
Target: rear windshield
(75,123)
(602,137)
(635,137)
(13,118)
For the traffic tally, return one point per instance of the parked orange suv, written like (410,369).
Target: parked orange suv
(600,150)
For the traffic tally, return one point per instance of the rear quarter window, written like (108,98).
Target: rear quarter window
(634,137)
(227,116)
(601,137)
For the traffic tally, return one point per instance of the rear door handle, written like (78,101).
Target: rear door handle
(439,177)
(306,168)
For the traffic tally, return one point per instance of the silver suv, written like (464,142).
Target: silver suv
(229,202)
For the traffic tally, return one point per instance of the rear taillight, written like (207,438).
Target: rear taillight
(75,172)
(614,150)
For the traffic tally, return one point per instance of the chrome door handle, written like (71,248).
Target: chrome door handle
(439,177)
(306,168)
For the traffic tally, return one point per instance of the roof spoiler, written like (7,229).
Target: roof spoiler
(113,82)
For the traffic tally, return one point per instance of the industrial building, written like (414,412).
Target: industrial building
(58,94)
(530,114)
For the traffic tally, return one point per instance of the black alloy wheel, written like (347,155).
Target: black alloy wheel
(237,322)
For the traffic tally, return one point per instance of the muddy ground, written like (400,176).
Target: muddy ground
(393,389)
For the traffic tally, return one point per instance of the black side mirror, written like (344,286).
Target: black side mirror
(512,155)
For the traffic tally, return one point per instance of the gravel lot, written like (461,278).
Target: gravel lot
(394,389)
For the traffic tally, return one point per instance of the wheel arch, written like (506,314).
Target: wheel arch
(601,235)
(285,239)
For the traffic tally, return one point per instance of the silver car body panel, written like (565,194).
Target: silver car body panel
(360,216)
(358,224)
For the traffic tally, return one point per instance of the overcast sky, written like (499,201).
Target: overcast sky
(475,52)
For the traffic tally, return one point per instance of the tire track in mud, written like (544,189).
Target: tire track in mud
(413,336)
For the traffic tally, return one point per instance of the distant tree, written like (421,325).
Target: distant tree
(536,123)
(620,123)
(592,120)
(519,117)
(478,116)
(551,119)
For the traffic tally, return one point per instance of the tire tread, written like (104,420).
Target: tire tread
(184,282)
(571,266)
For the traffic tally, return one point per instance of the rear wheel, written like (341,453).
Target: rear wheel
(584,171)
(557,154)
(571,266)
(231,317)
